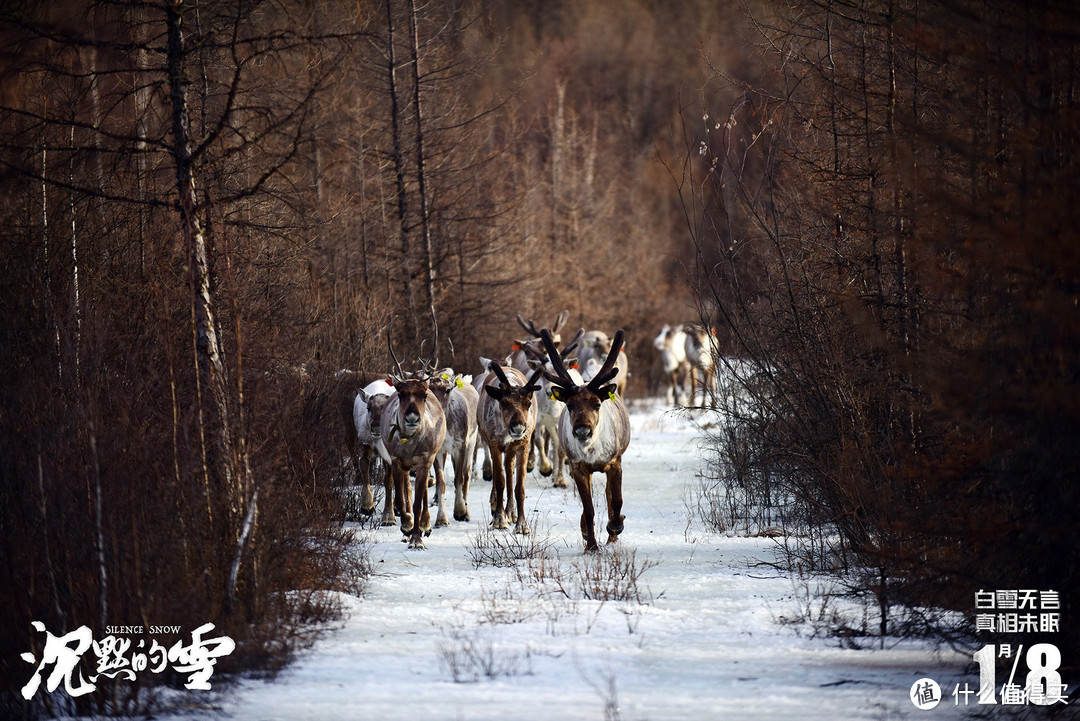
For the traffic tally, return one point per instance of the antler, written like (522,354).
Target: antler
(561,376)
(573,343)
(495,368)
(560,321)
(530,385)
(390,344)
(528,326)
(608,370)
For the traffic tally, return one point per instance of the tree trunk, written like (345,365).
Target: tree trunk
(425,211)
(213,415)
(399,170)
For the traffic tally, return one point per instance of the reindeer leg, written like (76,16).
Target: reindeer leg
(583,481)
(404,490)
(462,471)
(472,464)
(388,497)
(613,491)
(441,518)
(508,463)
(486,471)
(420,502)
(498,515)
(540,440)
(519,491)
(560,463)
(367,501)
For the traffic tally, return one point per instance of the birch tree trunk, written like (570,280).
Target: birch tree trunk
(212,399)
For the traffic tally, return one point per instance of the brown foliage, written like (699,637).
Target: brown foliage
(896,258)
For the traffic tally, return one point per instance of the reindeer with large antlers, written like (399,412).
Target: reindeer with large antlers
(594,431)
(413,429)
(506,416)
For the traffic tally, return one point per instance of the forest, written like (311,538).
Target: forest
(216,214)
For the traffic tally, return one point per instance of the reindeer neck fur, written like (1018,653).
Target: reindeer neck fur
(609,439)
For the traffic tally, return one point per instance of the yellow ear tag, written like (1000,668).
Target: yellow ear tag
(458,382)
(611,395)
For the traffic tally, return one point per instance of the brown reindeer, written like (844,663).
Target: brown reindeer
(506,416)
(594,431)
(413,429)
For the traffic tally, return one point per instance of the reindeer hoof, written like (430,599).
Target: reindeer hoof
(615,527)
(367,511)
(560,483)
(417,543)
(461,516)
(547,470)
(440,522)
(522,529)
(499,522)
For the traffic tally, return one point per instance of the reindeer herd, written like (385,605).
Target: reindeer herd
(561,404)
(532,402)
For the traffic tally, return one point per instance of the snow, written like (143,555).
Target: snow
(705,643)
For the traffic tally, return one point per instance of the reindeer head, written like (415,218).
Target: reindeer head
(515,402)
(412,387)
(583,402)
(376,404)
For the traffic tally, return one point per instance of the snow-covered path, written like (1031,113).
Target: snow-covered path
(706,644)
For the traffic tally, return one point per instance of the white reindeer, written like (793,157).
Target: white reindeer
(699,353)
(595,344)
(671,342)
(459,401)
(368,407)
(548,410)
(524,357)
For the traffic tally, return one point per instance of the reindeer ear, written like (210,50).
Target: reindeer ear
(495,392)
(558,393)
(607,393)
